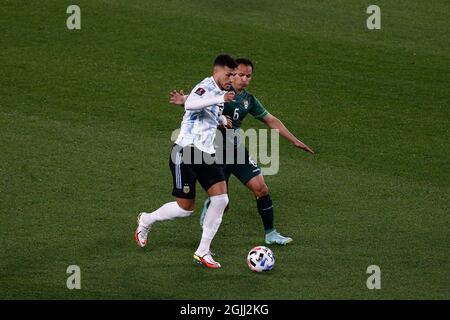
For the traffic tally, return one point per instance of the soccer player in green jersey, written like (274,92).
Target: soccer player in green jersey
(249,173)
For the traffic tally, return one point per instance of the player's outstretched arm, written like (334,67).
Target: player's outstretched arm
(179,98)
(198,99)
(274,123)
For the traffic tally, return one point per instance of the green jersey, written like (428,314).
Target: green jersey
(243,104)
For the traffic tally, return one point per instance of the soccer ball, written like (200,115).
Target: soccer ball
(260,259)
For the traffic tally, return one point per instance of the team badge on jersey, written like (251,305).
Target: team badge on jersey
(246,103)
(200,91)
(186,189)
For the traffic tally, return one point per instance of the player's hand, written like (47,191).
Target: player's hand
(229,122)
(177,97)
(229,96)
(303,146)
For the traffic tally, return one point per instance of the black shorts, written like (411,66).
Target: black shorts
(188,165)
(244,170)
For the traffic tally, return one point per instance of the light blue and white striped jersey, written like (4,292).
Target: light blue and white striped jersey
(199,125)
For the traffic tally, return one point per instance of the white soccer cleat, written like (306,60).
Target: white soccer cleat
(277,238)
(141,234)
(207,260)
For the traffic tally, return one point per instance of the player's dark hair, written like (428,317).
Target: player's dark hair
(245,62)
(225,60)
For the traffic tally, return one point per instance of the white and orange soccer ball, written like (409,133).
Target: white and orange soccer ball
(260,259)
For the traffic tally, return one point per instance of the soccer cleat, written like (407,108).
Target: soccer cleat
(207,260)
(275,237)
(141,233)
(205,208)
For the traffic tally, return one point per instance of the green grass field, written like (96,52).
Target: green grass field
(85,137)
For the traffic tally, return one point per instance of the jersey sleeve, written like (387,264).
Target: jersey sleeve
(257,110)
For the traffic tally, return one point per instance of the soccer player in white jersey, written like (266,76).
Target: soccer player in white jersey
(192,159)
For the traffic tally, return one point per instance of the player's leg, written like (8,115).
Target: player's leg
(227,169)
(264,204)
(249,174)
(184,191)
(213,181)
(265,209)
(176,209)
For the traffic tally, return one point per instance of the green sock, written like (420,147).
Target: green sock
(265,209)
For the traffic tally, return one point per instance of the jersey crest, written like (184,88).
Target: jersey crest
(200,91)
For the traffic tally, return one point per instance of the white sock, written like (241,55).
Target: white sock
(169,211)
(213,218)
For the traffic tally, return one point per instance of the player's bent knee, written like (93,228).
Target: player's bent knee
(220,201)
(186,204)
(217,189)
(264,190)
(261,191)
